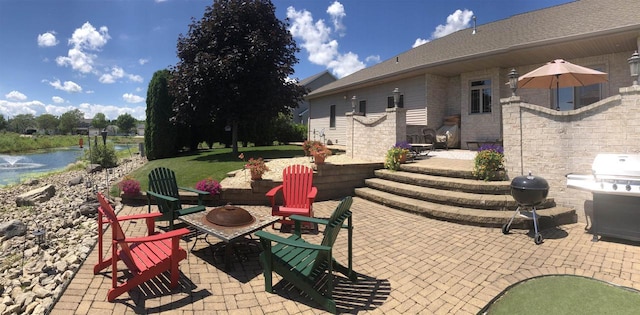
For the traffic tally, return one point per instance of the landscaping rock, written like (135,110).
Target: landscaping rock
(33,276)
(38,195)
(12,228)
(76,181)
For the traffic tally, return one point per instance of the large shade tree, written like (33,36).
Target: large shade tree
(21,122)
(233,68)
(70,120)
(126,122)
(47,122)
(99,121)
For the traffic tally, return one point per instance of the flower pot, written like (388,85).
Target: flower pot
(403,158)
(318,159)
(256,176)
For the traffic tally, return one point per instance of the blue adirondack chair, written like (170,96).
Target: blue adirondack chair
(303,264)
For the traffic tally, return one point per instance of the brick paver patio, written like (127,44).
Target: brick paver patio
(407,264)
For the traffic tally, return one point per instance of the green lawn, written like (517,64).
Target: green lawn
(214,163)
(566,295)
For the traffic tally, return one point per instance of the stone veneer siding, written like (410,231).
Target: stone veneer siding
(374,136)
(557,143)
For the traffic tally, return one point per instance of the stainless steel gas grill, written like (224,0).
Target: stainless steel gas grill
(615,185)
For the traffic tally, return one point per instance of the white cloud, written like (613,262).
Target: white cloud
(132,98)
(456,21)
(135,78)
(67,86)
(419,41)
(112,112)
(85,38)
(373,59)
(47,39)
(142,61)
(15,96)
(336,11)
(118,73)
(11,109)
(317,41)
(57,99)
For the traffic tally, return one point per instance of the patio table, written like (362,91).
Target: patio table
(228,234)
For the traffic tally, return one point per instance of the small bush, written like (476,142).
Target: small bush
(488,164)
(103,155)
(129,186)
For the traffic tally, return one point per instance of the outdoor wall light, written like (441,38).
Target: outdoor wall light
(513,81)
(354,99)
(634,67)
(396,97)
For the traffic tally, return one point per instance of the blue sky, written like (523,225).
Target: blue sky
(98,56)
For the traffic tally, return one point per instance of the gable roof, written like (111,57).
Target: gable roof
(576,29)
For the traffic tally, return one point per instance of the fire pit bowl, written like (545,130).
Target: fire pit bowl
(229,216)
(529,190)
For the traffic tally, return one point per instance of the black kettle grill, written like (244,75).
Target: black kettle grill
(528,191)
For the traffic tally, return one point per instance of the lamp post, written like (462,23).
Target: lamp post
(634,67)
(396,97)
(513,81)
(104,136)
(354,99)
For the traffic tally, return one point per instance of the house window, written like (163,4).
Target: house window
(400,101)
(576,97)
(362,108)
(332,116)
(481,96)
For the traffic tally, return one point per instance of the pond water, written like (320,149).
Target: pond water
(15,168)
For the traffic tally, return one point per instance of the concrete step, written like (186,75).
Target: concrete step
(439,169)
(481,217)
(444,182)
(449,197)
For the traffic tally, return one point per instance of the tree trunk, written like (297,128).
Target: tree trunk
(234,136)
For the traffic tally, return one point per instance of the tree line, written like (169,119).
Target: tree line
(231,83)
(64,124)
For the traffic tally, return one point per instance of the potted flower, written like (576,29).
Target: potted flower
(256,167)
(488,163)
(307,144)
(392,160)
(129,186)
(209,185)
(319,152)
(405,148)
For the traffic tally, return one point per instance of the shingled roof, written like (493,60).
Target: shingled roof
(576,29)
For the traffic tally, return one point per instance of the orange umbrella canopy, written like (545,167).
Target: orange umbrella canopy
(560,73)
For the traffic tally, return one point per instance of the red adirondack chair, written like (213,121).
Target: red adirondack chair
(297,194)
(146,257)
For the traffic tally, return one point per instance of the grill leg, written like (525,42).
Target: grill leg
(507,227)
(537,237)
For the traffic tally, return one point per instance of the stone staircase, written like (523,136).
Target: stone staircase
(454,195)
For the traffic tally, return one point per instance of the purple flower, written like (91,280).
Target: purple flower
(492,147)
(403,145)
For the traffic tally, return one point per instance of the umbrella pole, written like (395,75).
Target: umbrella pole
(557,92)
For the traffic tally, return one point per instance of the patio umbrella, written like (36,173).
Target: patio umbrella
(560,73)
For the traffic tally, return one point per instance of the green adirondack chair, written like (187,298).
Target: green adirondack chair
(303,264)
(164,188)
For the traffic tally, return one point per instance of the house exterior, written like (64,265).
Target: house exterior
(301,113)
(465,73)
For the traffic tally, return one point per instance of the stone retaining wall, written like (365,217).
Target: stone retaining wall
(552,144)
(334,181)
